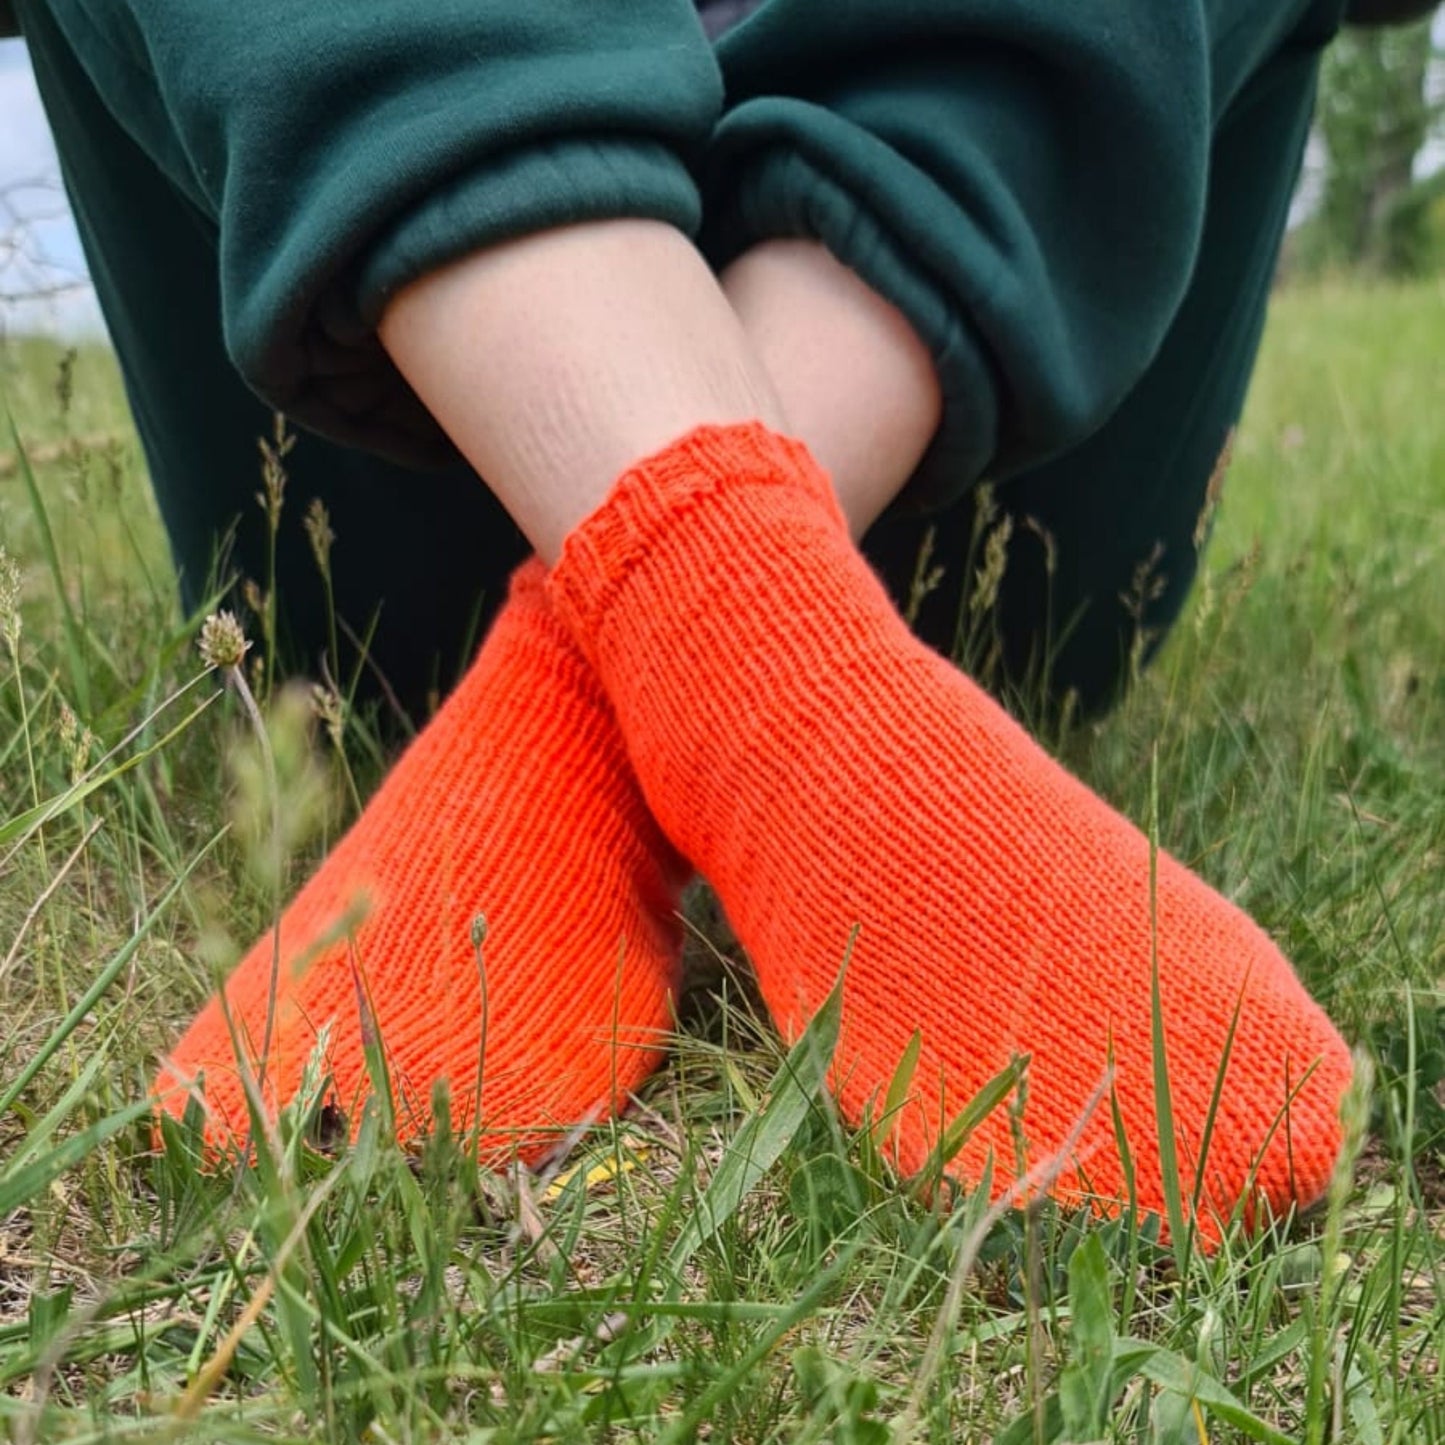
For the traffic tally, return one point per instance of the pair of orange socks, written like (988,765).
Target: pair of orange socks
(712,633)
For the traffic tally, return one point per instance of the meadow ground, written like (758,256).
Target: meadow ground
(728,1263)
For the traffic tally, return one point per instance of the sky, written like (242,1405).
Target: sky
(39,250)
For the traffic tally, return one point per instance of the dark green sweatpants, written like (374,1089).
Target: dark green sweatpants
(1078,206)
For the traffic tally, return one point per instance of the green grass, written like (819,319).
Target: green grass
(730,1263)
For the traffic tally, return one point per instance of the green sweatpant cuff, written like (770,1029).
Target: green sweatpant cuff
(1037,330)
(1025,181)
(782,167)
(336,152)
(305,337)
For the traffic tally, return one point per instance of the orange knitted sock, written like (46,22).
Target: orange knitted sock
(824,769)
(516,804)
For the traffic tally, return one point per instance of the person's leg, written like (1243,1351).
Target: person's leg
(553,366)
(515,805)
(1027,183)
(825,770)
(582,389)
(857,384)
(660,754)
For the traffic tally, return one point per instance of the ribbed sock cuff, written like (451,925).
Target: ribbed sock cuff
(673,488)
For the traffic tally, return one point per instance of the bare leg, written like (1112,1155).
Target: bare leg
(856,383)
(555,361)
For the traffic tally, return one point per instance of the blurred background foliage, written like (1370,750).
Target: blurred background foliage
(1373,196)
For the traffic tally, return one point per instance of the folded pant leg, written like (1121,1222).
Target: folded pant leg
(1126,511)
(245,218)
(342,148)
(1025,180)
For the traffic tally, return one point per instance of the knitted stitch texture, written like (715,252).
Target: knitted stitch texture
(824,769)
(516,804)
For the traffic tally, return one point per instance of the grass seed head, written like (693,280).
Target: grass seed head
(990,573)
(222,642)
(317,523)
(9,599)
(69,727)
(272,496)
(330,711)
(280,798)
(76,741)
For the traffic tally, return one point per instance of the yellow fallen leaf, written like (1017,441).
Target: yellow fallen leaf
(597,1174)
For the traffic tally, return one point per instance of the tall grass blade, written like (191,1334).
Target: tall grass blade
(761,1141)
(74,649)
(22,1186)
(898,1088)
(15,829)
(1163,1098)
(91,996)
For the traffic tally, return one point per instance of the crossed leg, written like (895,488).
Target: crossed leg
(820,766)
